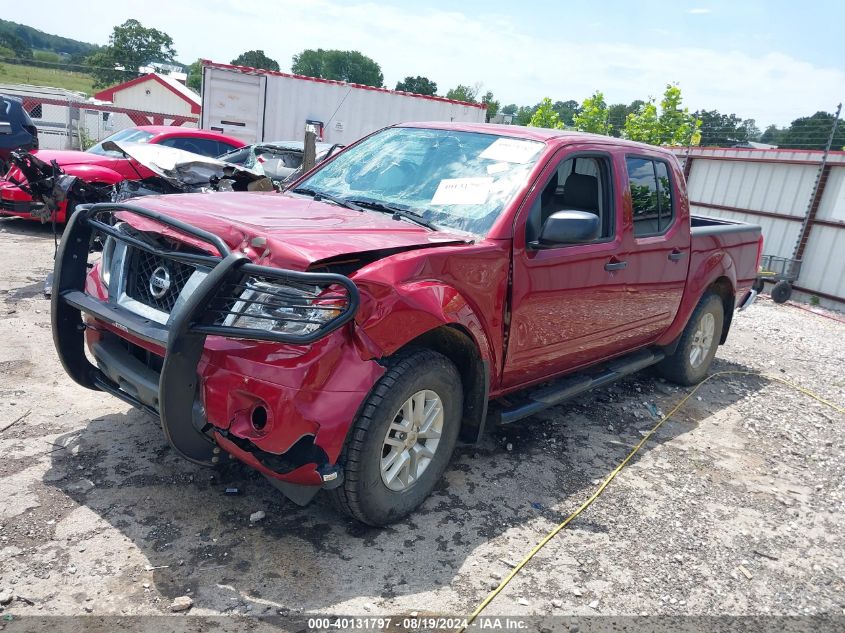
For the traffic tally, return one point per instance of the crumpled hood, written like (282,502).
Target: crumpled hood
(178,167)
(298,231)
(65,157)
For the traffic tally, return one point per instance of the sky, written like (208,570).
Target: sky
(770,60)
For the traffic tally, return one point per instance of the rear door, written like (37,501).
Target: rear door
(657,246)
(233,103)
(568,303)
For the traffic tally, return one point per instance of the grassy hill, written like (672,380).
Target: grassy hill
(39,40)
(18,74)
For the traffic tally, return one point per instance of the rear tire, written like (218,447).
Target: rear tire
(697,347)
(403,439)
(781,292)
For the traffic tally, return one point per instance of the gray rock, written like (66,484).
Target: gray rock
(256,516)
(182,603)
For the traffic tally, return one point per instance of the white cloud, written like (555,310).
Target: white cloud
(453,47)
(698,11)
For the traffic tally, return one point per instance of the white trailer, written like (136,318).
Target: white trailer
(261,105)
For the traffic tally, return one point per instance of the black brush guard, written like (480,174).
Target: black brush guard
(183,338)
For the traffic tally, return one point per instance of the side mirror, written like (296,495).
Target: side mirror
(568,227)
(5,127)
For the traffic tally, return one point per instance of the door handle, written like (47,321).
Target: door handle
(676,255)
(615,265)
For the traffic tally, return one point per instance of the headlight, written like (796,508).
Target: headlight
(286,309)
(106,260)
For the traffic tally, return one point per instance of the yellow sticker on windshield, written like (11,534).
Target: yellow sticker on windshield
(462,191)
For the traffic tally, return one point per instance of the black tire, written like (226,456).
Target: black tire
(679,367)
(364,494)
(758,285)
(781,292)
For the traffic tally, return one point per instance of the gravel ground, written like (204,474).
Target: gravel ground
(734,507)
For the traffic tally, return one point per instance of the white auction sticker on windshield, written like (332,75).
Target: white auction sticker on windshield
(511,150)
(462,191)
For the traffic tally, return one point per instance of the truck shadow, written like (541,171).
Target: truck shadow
(192,524)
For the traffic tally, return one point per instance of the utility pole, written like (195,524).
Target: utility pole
(818,191)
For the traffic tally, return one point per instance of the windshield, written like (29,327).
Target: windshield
(459,180)
(129,135)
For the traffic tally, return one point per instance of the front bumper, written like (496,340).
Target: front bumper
(210,377)
(16,202)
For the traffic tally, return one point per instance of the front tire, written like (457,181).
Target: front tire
(697,347)
(403,439)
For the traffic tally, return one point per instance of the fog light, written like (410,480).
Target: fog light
(258,417)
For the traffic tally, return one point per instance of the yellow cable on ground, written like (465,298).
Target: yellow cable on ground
(622,465)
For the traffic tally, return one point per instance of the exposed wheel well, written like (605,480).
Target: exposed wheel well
(723,287)
(456,344)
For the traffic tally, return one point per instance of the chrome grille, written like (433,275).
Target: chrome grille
(156,281)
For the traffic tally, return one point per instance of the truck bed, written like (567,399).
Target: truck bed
(739,241)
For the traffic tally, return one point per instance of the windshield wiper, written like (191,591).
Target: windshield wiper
(397,211)
(322,195)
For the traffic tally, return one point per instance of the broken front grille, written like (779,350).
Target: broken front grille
(156,281)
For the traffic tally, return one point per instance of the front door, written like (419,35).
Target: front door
(569,303)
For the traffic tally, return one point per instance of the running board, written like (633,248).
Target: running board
(574,385)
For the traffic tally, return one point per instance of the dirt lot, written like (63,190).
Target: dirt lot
(736,506)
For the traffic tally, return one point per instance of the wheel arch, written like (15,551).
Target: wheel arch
(725,290)
(456,343)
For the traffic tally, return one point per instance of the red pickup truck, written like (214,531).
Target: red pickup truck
(427,282)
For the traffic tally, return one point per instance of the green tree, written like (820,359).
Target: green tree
(772,135)
(15,45)
(511,108)
(349,66)
(131,45)
(463,93)
(593,116)
(618,112)
(567,110)
(195,76)
(256,59)
(669,126)
(725,130)
(492,104)
(546,116)
(812,132)
(418,85)
(524,113)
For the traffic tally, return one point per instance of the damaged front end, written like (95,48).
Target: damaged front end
(188,340)
(51,188)
(190,173)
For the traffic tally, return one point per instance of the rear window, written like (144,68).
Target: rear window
(651,195)
(129,135)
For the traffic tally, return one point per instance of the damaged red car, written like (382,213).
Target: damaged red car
(28,189)
(424,284)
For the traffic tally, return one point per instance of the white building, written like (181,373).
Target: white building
(154,93)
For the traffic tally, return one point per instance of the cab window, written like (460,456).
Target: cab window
(651,195)
(580,183)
